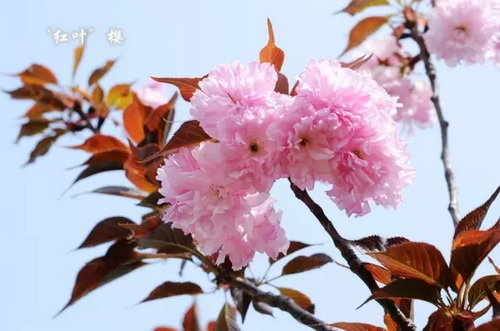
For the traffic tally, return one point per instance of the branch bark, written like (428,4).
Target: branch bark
(355,264)
(278,301)
(443,124)
(77,108)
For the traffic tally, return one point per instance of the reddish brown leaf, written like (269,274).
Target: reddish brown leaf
(164,328)
(164,238)
(493,325)
(170,289)
(37,110)
(474,219)
(357,6)
(100,72)
(190,322)
(189,134)
(363,29)
(97,168)
(440,320)
(409,289)
(293,247)
(156,119)
(227,319)
(281,84)
(99,143)
(355,326)
(390,325)
(494,265)
(121,191)
(107,230)
(43,146)
(119,260)
(376,243)
(357,63)
(494,299)
(211,326)
(39,94)
(133,119)
(416,260)
(33,127)
(37,74)
(478,290)
(300,299)
(140,172)
(304,263)
(77,57)
(187,86)
(118,156)
(272,53)
(151,201)
(469,250)
(380,274)
(242,301)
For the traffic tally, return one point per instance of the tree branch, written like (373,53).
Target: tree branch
(355,264)
(77,108)
(278,301)
(443,124)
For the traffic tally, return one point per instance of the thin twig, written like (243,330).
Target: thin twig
(355,264)
(278,301)
(78,109)
(443,124)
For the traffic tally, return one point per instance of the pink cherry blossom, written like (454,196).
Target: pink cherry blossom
(460,30)
(369,161)
(234,95)
(152,94)
(221,219)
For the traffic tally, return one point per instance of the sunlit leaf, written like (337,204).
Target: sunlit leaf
(107,230)
(100,72)
(37,74)
(478,290)
(379,273)
(156,119)
(33,127)
(304,263)
(189,134)
(416,260)
(390,325)
(469,250)
(357,6)
(440,320)
(363,29)
(355,326)
(77,58)
(39,94)
(293,247)
(141,173)
(118,156)
(170,289)
(474,219)
(187,86)
(99,143)
(190,322)
(227,319)
(119,260)
(409,289)
(272,53)
(43,146)
(134,116)
(299,298)
(37,110)
(119,96)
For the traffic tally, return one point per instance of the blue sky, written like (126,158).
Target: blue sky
(173,38)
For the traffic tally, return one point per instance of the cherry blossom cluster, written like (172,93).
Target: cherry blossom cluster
(337,129)
(388,66)
(464,31)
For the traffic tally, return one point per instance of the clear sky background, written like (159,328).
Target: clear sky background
(40,229)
